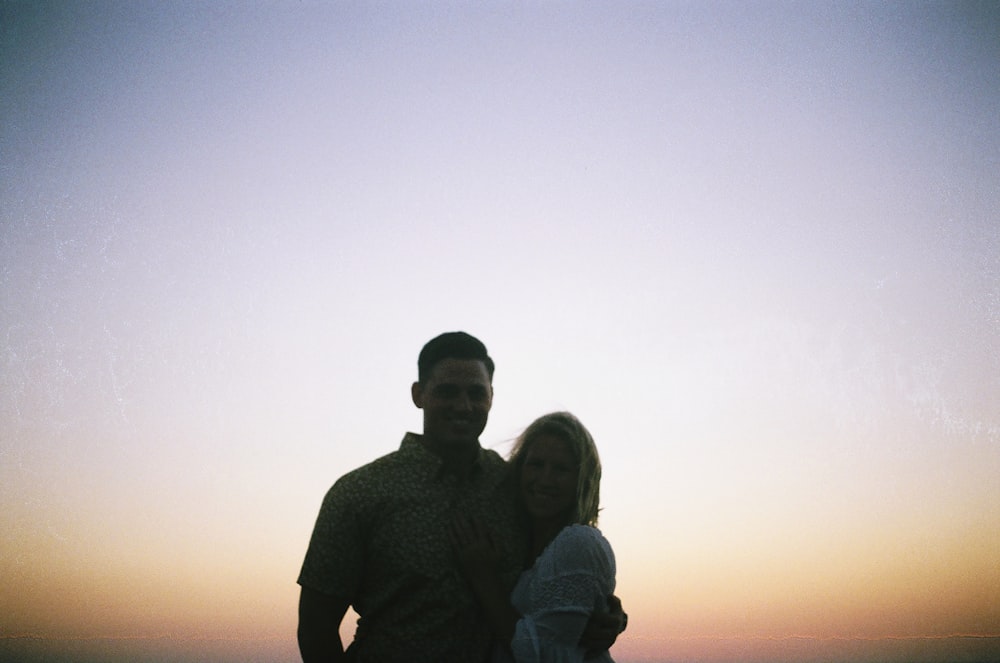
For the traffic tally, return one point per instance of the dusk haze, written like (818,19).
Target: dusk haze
(754,246)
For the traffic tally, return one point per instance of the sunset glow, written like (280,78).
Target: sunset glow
(754,247)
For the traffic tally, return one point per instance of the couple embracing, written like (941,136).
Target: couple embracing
(448,553)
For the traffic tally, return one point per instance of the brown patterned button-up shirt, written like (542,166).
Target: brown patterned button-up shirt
(381,539)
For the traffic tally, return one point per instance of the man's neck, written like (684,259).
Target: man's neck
(458,458)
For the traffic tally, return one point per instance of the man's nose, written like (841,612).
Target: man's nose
(463,402)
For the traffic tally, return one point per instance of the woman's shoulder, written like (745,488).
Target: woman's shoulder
(582,546)
(580,535)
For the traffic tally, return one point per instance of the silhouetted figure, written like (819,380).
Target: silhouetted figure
(381,541)
(570,570)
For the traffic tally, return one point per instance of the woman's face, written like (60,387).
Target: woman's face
(548,479)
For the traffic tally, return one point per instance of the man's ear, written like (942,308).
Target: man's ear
(417,394)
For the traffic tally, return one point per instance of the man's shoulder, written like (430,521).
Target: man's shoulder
(491,459)
(381,469)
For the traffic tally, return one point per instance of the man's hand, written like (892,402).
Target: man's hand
(615,608)
(603,628)
(479,561)
(474,548)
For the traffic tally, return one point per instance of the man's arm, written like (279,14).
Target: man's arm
(319,626)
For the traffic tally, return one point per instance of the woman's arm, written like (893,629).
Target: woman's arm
(479,561)
(569,591)
(552,631)
(564,621)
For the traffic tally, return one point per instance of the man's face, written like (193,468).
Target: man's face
(456,400)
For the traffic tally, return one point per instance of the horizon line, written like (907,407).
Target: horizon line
(197,638)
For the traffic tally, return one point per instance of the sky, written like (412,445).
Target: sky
(754,246)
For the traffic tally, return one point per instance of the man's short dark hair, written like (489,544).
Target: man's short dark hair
(451,345)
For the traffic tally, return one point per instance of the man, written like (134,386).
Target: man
(381,541)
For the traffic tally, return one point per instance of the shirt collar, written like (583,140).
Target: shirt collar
(413,447)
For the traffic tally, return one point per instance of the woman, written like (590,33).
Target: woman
(570,566)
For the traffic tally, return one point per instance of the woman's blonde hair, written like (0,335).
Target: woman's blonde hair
(568,428)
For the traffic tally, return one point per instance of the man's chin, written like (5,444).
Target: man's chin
(461,440)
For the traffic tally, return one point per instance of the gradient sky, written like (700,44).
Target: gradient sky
(755,247)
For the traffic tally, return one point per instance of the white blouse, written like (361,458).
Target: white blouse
(569,581)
